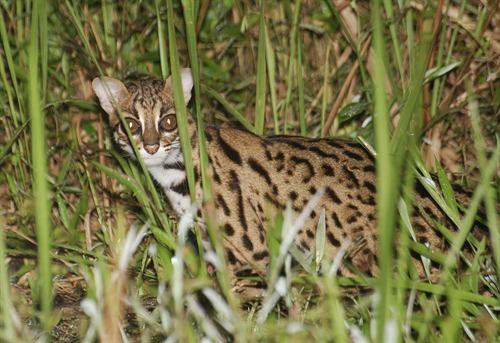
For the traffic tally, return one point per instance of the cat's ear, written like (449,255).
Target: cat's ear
(187,84)
(110,92)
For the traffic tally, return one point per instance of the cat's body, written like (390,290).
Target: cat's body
(253,177)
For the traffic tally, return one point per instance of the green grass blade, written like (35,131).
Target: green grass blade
(386,178)
(74,16)
(40,190)
(324,99)
(271,72)
(388,6)
(230,108)
(300,88)
(12,71)
(486,167)
(193,57)
(320,239)
(108,8)
(165,68)
(260,93)
(122,179)
(180,105)
(337,312)
(438,83)
(204,165)
(44,46)
(446,188)
(10,143)
(7,311)
(291,63)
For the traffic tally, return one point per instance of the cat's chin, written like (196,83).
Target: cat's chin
(153,160)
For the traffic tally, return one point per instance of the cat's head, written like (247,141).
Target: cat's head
(149,112)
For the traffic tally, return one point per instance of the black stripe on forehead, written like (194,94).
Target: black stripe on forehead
(147,87)
(132,110)
(151,87)
(132,87)
(147,94)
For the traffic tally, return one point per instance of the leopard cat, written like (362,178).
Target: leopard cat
(254,177)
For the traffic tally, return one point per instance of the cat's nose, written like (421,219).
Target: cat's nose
(151,148)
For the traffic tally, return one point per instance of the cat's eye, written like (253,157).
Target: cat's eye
(168,123)
(133,125)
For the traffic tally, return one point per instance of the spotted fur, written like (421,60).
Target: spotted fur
(255,176)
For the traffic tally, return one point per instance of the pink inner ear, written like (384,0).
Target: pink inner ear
(187,84)
(109,91)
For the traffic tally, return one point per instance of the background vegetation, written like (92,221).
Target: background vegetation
(89,242)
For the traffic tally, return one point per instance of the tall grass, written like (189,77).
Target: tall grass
(387,178)
(76,215)
(40,191)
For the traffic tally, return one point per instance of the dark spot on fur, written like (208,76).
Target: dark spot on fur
(196,175)
(336,220)
(333,241)
(231,258)
(268,155)
(231,153)
(327,170)
(174,165)
(351,176)
(259,169)
(352,207)
(305,162)
(259,256)
(247,243)
(181,188)
(275,189)
(234,185)
(229,230)
(333,196)
(370,186)
(259,208)
(323,154)
(335,144)
(216,177)
(304,245)
(222,203)
(352,219)
(353,155)
(370,168)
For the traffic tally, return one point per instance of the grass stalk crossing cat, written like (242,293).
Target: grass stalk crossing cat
(255,176)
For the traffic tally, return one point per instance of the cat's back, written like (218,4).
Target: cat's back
(292,165)
(291,160)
